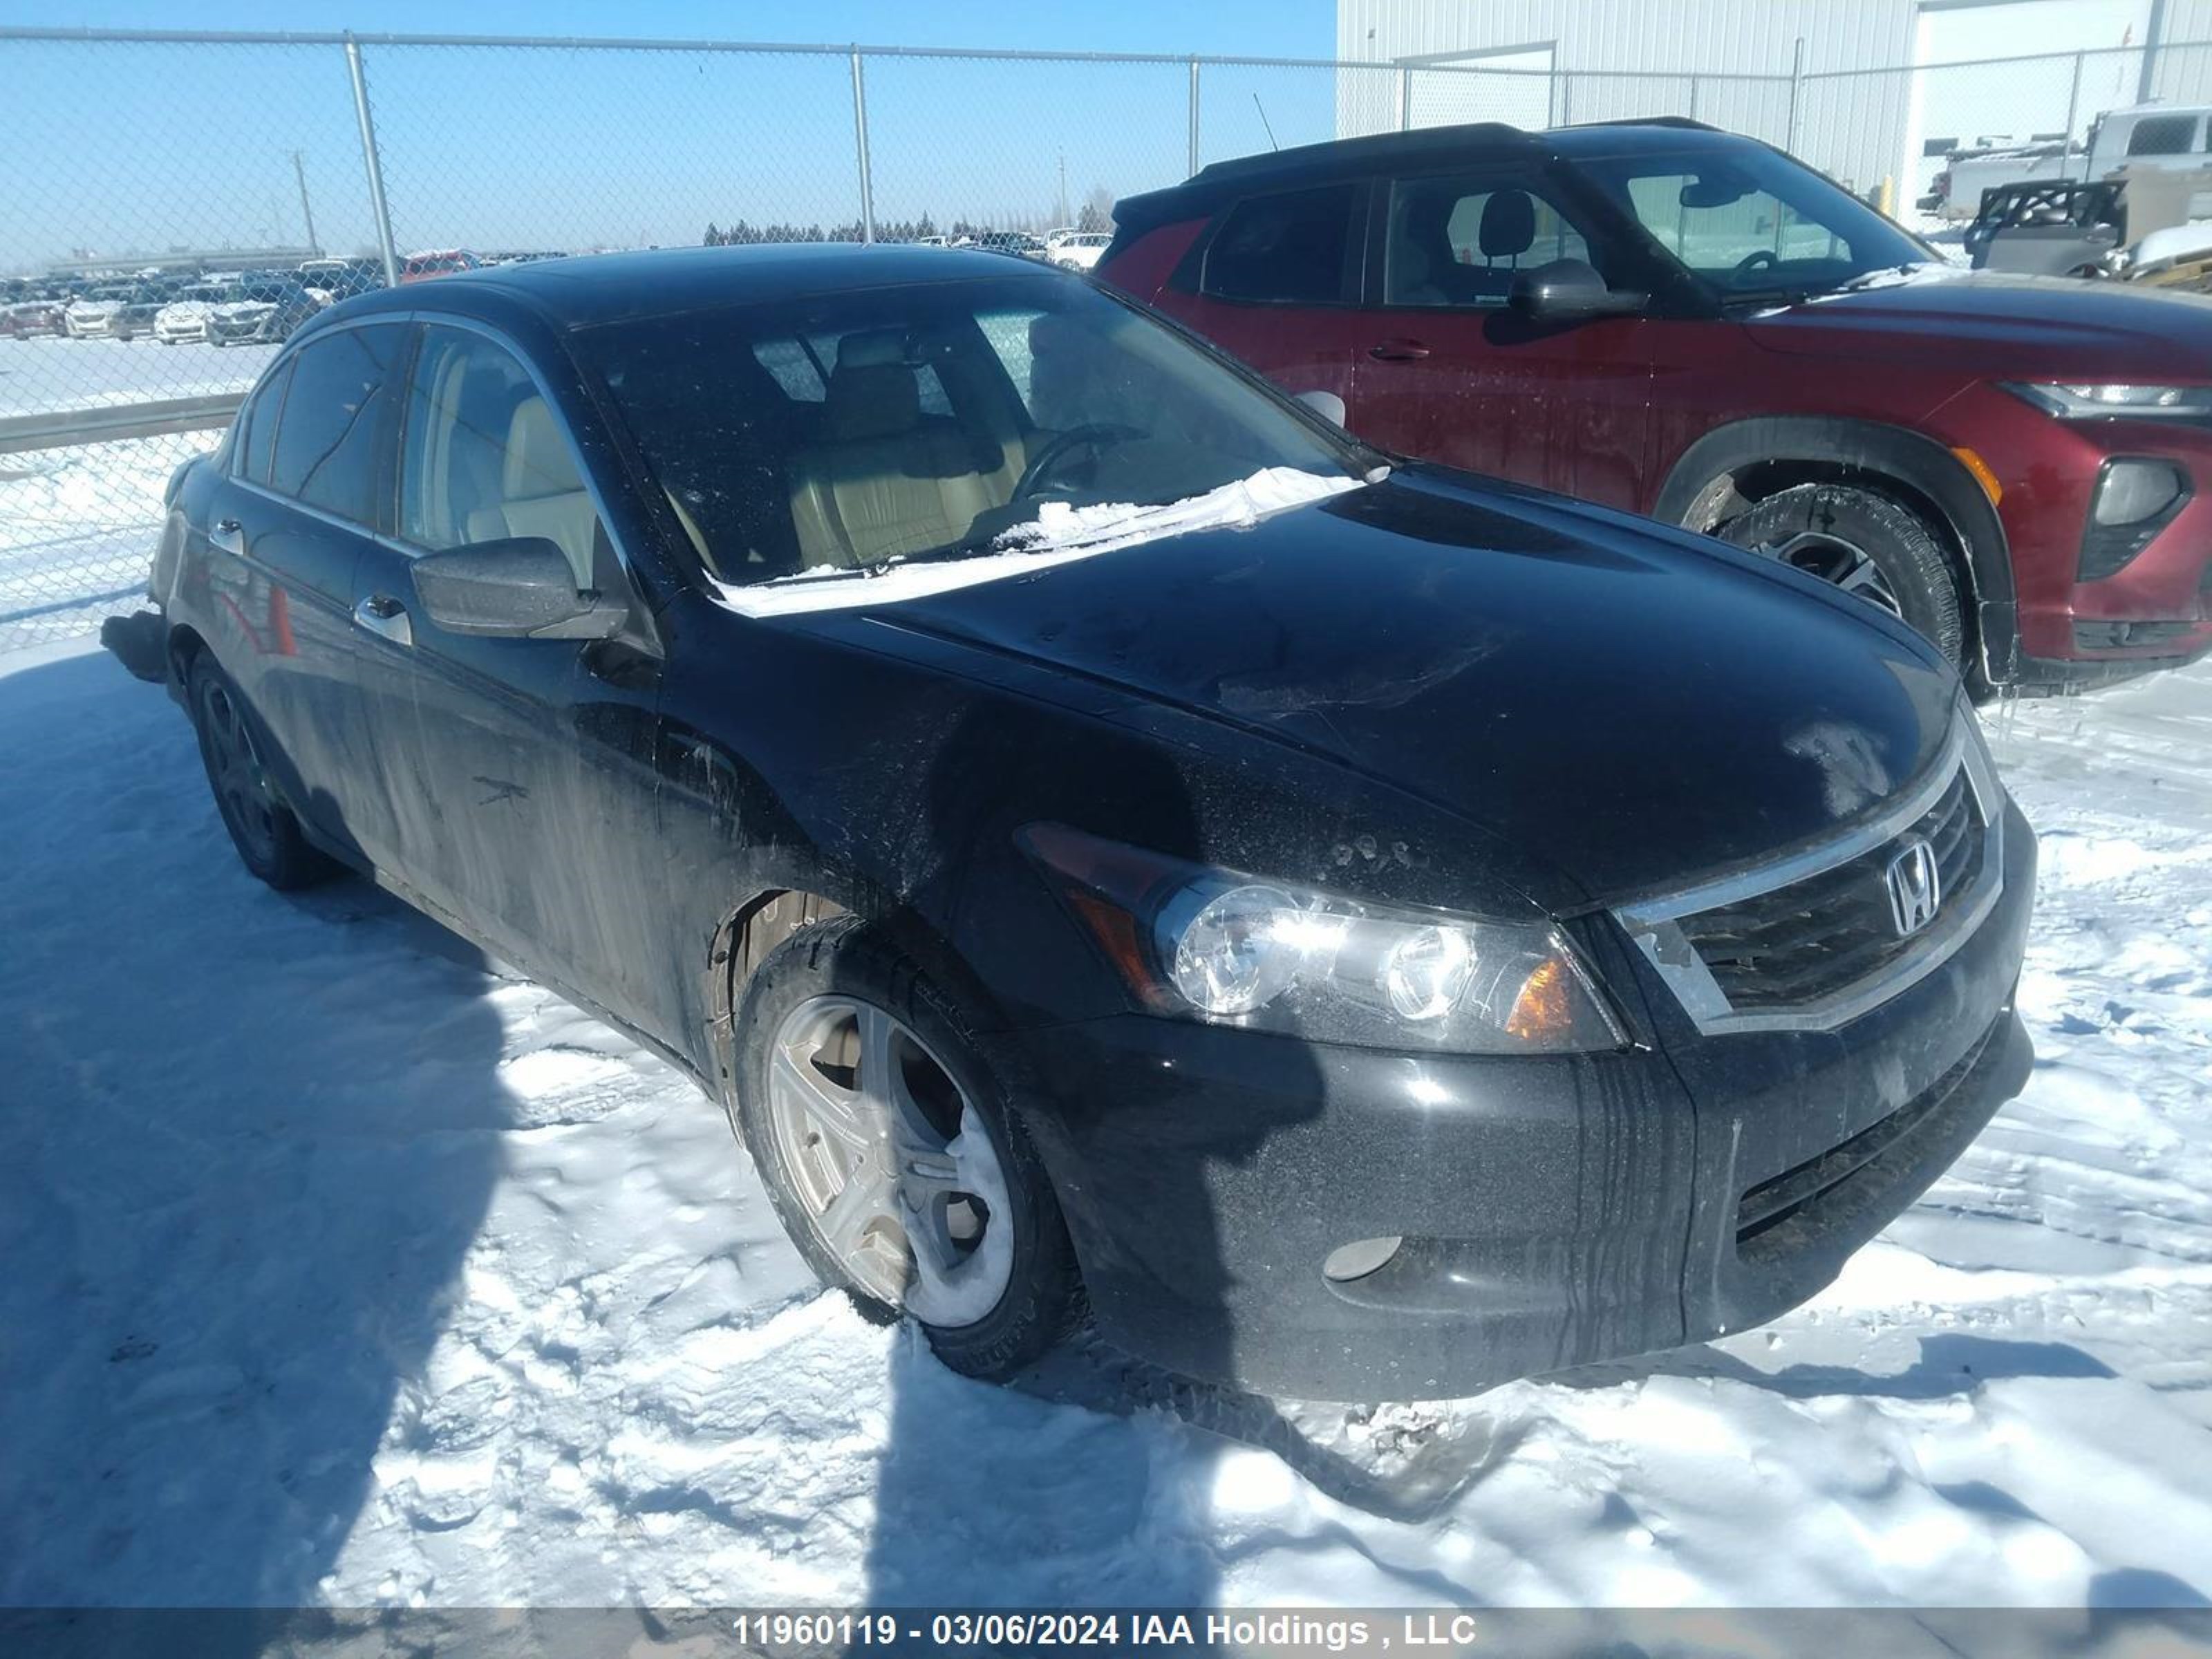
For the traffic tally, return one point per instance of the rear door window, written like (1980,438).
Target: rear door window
(330,440)
(2163,134)
(1297,248)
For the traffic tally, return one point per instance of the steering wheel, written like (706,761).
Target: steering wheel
(1760,258)
(1093,435)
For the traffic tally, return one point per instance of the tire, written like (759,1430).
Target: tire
(1868,543)
(1013,1290)
(267,836)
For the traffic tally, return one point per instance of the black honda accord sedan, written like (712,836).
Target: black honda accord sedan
(1117,847)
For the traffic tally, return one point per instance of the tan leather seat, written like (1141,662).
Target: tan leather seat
(884,478)
(541,490)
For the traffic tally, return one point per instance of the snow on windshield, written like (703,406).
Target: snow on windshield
(1059,533)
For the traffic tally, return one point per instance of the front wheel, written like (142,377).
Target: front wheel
(893,1157)
(1867,544)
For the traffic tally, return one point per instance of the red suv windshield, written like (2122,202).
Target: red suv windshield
(1748,222)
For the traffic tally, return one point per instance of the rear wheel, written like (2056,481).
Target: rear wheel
(1867,544)
(262,828)
(892,1154)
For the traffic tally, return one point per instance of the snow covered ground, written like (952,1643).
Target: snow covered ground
(78,525)
(343,1265)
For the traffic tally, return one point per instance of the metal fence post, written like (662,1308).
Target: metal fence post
(1797,83)
(2154,39)
(860,149)
(1693,97)
(2074,97)
(1194,115)
(375,163)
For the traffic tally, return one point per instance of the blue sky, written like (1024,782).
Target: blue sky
(496,148)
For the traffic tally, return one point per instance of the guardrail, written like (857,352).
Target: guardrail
(23,434)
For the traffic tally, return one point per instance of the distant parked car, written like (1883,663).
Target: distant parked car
(1677,321)
(27,318)
(421,267)
(185,318)
(114,311)
(264,310)
(329,281)
(1025,243)
(1077,249)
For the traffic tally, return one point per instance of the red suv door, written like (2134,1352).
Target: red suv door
(1450,371)
(1278,285)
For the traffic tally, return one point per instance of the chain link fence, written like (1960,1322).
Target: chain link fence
(177,202)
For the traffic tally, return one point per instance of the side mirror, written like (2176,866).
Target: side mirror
(1567,290)
(1327,405)
(520,585)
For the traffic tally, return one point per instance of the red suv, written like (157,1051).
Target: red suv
(1686,323)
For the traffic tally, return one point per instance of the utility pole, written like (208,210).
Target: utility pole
(306,212)
(1062,216)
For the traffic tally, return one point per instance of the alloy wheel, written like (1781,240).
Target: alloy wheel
(1841,564)
(895,1169)
(241,787)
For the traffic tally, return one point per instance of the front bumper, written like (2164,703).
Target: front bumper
(1554,1212)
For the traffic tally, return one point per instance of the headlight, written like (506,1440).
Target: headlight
(1232,950)
(2080,401)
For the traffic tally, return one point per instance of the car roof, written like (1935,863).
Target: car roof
(1422,147)
(589,288)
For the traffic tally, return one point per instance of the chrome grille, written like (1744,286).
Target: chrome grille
(1815,937)
(1811,941)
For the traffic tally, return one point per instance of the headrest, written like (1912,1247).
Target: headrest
(538,459)
(1509,224)
(875,349)
(872,392)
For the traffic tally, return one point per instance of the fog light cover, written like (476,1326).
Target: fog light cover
(2135,499)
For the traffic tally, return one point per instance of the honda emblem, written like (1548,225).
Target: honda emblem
(1916,887)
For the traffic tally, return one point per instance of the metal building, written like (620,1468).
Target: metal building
(1873,91)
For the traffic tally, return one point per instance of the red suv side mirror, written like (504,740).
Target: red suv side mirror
(1567,289)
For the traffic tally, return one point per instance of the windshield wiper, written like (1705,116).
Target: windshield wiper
(830,572)
(1867,277)
(1769,296)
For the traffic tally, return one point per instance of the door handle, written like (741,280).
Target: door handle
(1397,351)
(384,616)
(228,534)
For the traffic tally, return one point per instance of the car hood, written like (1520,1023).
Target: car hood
(1988,323)
(1626,705)
(242,308)
(185,310)
(97,307)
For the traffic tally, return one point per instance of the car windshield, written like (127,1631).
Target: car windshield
(932,421)
(1748,222)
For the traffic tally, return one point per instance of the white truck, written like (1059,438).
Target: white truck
(2169,137)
